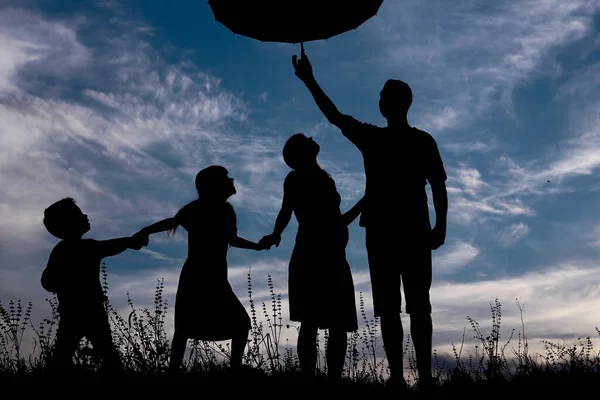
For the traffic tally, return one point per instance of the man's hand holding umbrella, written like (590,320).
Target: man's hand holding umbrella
(302,67)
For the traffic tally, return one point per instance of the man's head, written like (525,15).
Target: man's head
(65,220)
(395,99)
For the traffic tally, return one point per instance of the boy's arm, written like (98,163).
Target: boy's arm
(51,275)
(349,216)
(112,247)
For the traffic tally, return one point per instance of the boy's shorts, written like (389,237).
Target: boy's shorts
(91,322)
(394,260)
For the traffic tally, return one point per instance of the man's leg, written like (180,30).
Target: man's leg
(387,299)
(421,329)
(392,335)
(417,284)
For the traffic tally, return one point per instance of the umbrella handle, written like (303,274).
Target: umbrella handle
(302,49)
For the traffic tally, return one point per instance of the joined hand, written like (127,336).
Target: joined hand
(269,240)
(139,240)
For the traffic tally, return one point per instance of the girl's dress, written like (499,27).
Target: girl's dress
(320,284)
(206,308)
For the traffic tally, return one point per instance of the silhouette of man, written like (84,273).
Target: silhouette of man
(399,160)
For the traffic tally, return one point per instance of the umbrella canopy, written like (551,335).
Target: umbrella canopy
(293,21)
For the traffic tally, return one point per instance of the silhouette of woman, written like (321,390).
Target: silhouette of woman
(320,285)
(206,308)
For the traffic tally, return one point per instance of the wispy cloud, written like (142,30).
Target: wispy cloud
(467,57)
(558,301)
(452,258)
(465,64)
(514,233)
(117,128)
(124,129)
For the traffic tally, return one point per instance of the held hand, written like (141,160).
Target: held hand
(270,240)
(139,240)
(276,240)
(302,67)
(438,237)
(265,243)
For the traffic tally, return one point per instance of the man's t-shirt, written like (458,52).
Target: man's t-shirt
(73,273)
(398,165)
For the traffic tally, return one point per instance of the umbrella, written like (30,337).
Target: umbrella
(293,21)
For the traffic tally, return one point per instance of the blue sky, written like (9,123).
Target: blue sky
(119,104)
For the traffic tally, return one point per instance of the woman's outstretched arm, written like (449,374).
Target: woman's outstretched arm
(282,221)
(287,208)
(283,217)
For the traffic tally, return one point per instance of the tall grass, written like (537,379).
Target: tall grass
(144,347)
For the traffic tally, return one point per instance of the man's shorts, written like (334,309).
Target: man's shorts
(394,259)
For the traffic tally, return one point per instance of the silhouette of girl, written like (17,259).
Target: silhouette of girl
(320,285)
(206,308)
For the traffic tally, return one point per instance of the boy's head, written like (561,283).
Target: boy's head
(395,99)
(65,220)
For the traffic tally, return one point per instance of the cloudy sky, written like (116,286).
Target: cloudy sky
(119,104)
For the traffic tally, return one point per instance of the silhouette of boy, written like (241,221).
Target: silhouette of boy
(399,160)
(73,273)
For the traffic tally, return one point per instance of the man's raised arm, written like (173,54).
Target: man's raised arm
(347,124)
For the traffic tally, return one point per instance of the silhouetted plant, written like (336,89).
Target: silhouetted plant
(13,323)
(144,346)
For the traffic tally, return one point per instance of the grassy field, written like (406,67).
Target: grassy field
(144,347)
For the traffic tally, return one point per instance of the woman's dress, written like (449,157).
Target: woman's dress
(320,284)
(206,308)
